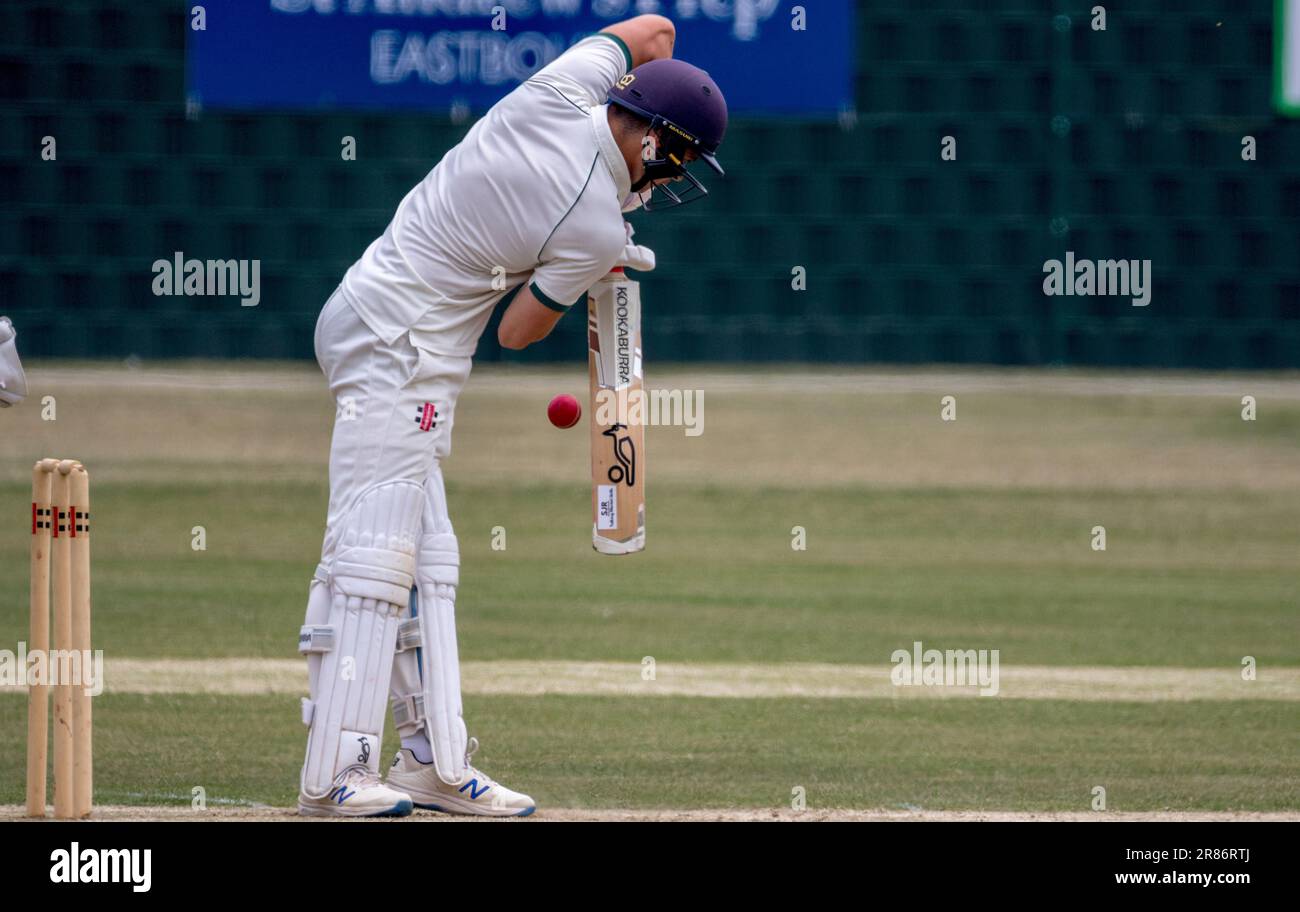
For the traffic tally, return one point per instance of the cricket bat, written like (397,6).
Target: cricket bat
(617,415)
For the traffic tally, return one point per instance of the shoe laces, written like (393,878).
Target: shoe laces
(470,770)
(360,777)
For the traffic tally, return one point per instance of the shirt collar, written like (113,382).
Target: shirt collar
(610,152)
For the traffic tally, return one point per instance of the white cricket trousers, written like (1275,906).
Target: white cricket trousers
(395,409)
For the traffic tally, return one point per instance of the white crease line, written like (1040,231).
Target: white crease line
(724,680)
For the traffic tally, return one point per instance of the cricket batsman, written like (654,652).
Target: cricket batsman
(532,199)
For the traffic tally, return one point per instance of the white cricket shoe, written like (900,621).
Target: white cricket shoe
(357,792)
(477,793)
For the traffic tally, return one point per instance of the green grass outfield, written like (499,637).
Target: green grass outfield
(600,752)
(966,535)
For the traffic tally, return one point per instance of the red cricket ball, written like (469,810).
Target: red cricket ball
(564,411)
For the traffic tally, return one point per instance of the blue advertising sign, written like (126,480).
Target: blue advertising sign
(769,56)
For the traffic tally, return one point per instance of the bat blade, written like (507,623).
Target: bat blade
(617,423)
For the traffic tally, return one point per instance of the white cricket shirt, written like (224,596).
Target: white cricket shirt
(533,193)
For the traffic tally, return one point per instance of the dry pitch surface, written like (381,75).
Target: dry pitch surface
(14,813)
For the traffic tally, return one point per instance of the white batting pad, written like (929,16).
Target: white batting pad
(351,631)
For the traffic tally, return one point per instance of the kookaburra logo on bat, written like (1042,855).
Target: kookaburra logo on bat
(623,471)
(623,338)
